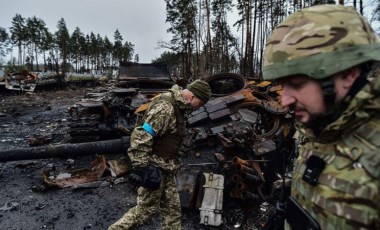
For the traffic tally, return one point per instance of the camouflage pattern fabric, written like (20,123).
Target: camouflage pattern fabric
(166,199)
(163,121)
(168,146)
(347,195)
(161,117)
(308,41)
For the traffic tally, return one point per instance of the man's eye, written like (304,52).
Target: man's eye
(296,84)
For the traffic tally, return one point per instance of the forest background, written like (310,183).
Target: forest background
(202,42)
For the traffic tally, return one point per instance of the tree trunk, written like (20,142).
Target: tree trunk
(198,41)
(361,8)
(208,49)
(35,51)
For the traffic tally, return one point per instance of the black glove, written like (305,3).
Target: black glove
(148,177)
(153,178)
(137,175)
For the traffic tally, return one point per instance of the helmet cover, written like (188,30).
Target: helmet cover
(319,41)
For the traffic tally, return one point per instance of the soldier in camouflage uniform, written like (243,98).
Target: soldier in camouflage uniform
(322,56)
(154,153)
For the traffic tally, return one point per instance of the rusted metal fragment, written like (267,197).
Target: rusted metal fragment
(186,186)
(275,107)
(73,177)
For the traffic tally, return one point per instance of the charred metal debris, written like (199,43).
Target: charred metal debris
(237,154)
(26,81)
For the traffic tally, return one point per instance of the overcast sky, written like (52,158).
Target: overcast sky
(141,22)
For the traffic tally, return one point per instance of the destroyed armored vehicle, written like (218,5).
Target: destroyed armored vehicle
(26,81)
(109,112)
(23,81)
(237,154)
(238,151)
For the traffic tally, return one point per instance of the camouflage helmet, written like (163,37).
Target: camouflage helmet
(319,41)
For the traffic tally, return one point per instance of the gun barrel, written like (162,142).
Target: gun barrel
(241,186)
(250,178)
(236,178)
(243,168)
(114,146)
(237,160)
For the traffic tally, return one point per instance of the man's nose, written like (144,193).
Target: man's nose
(287,97)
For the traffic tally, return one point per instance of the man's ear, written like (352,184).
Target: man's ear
(349,76)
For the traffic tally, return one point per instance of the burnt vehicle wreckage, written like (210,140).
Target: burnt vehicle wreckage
(237,155)
(26,81)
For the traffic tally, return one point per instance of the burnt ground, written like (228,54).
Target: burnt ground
(25,203)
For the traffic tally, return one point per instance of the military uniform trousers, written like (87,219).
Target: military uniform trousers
(165,199)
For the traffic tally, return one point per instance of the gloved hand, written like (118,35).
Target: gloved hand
(153,178)
(148,177)
(137,176)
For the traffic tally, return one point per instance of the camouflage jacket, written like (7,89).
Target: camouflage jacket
(161,117)
(347,195)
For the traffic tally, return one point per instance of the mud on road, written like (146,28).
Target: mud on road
(25,203)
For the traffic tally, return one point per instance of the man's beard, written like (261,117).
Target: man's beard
(314,120)
(319,121)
